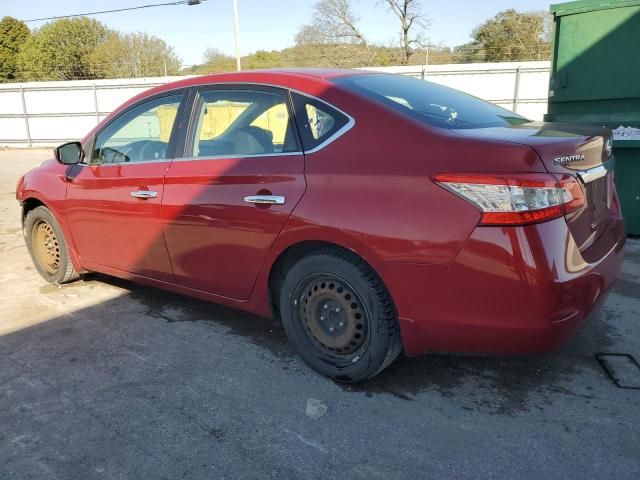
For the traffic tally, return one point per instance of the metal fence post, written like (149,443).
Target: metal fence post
(516,91)
(24,114)
(95,102)
(426,65)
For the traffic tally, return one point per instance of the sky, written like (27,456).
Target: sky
(264,24)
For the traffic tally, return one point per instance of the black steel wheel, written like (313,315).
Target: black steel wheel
(333,314)
(339,316)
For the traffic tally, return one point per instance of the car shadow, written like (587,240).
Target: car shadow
(495,385)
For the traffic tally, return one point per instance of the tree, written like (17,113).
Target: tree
(124,55)
(13,35)
(469,53)
(61,50)
(263,59)
(217,61)
(333,23)
(412,23)
(513,36)
(332,39)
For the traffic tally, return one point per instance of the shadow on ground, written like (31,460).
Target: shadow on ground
(156,385)
(501,385)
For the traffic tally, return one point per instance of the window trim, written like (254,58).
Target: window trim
(335,135)
(173,137)
(185,147)
(186,113)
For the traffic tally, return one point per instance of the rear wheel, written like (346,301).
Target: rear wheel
(47,246)
(339,316)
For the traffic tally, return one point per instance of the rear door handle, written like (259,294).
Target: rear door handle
(144,194)
(266,199)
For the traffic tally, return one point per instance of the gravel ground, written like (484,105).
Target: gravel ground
(106,379)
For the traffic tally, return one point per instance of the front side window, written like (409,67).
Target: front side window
(140,134)
(242,122)
(430,103)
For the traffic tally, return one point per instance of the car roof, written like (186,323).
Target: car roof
(323,73)
(314,81)
(285,77)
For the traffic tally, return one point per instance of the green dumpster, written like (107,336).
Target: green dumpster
(627,154)
(595,78)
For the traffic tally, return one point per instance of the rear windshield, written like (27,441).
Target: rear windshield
(430,103)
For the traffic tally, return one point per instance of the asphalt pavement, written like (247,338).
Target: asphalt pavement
(103,378)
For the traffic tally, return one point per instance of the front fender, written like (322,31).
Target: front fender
(47,185)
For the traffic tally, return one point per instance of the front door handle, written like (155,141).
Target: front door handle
(144,194)
(266,199)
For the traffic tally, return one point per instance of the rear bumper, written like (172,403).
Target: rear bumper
(510,290)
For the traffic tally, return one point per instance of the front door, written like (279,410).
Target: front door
(226,201)
(114,199)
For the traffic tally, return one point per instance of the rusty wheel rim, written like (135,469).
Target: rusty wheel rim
(332,314)
(46,247)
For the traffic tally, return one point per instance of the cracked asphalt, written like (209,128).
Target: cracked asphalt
(107,379)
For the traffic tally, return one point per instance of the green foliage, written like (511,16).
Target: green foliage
(469,53)
(514,36)
(13,35)
(263,59)
(132,55)
(83,48)
(340,55)
(61,50)
(215,61)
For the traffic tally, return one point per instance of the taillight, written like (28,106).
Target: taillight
(515,199)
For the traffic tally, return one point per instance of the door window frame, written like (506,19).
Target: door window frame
(186,140)
(174,137)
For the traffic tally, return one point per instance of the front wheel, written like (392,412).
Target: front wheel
(47,246)
(339,316)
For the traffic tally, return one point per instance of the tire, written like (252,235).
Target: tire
(339,316)
(48,247)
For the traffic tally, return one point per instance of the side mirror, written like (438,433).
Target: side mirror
(69,153)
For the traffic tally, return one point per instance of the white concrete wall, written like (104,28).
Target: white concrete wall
(63,111)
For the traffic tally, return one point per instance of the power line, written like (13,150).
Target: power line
(179,2)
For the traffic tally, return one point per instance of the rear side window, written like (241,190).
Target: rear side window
(317,121)
(430,103)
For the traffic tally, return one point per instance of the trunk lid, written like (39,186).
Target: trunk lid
(582,151)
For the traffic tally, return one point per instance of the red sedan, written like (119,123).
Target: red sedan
(373,213)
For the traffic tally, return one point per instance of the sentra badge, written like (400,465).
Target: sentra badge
(568,159)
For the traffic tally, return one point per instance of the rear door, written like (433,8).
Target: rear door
(114,199)
(226,200)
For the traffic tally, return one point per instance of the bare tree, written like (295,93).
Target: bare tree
(333,22)
(213,55)
(412,22)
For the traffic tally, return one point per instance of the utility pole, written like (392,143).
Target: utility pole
(236,29)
